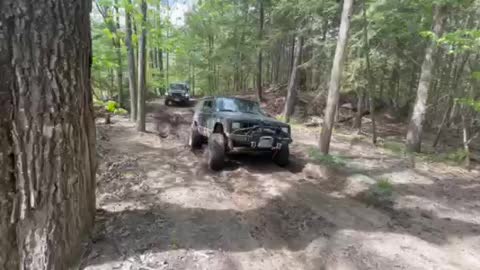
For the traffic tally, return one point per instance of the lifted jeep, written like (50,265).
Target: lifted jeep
(237,125)
(177,93)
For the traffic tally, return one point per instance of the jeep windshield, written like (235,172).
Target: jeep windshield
(178,86)
(238,105)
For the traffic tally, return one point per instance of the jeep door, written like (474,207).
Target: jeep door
(204,114)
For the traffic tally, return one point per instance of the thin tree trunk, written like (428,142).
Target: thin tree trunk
(142,57)
(442,124)
(336,76)
(293,82)
(259,64)
(132,81)
(415,128)
(291,57)
(47,133)
(357,123)
(466,139)
(370,85)
(118,48)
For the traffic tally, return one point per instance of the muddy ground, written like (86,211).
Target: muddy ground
(159,207)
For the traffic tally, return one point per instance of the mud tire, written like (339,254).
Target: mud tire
(195,139)
(282,156)
(216,152)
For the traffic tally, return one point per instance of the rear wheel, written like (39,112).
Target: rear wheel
(167,102)
(216,151)
(281,157)
(195,140)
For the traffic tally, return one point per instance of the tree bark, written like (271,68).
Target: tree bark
(357,122)
(142,65)
(259,63)
(415,128)
(335,79)
(293,82)
(47,133)
(370,85)
(132,81)
(118,47)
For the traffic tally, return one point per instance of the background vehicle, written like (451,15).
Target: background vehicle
(234,124)
(178,93)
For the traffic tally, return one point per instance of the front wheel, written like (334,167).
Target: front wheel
(216,151)
(167,102)
(195,140)
(281,157)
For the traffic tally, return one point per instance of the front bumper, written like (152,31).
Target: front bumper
(178,98)
(257,141)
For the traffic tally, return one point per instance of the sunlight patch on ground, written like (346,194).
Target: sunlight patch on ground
(441,210)
(406,176)
(206,197)
(124,206)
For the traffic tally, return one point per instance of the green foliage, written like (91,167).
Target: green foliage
(456,157)
(328,160)
(472,103)
(395,147)
(111,106)
(380,194)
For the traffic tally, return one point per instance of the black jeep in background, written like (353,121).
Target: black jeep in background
(177,93)
(237,125)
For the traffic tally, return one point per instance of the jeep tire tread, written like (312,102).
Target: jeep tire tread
(281,156)
(195,140)
(216,151)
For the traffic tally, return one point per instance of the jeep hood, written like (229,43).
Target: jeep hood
(250,117)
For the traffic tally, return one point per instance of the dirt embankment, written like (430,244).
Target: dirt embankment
(159,207)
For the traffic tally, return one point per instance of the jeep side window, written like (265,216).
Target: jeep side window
(207,106)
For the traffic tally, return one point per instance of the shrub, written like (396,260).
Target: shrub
(328,160)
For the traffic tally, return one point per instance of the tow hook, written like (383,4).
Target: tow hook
(253,144)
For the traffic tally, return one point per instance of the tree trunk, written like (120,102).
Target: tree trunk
(415,128)
(47,133)
(132,81)
(118,48)
(442,124)
(259,64)
(142,65)
(370,86)
(357,123)
(335,79)
(293,82)
(466,139)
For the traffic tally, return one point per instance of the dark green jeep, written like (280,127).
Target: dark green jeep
(237,125)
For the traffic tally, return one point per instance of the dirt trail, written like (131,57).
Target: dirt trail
(159,207)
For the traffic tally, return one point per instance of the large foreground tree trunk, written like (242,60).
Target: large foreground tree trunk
(336,76)
(293,82)
(132,81)
(415,128)
(142,66)
(47,133)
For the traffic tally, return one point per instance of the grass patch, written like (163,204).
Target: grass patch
(395,147)
(110,106)
(381,194)
(327,160)
(456,157)
(384,187)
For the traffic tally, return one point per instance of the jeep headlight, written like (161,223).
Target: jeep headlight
(235,125)
(187,94)
(286,130)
